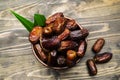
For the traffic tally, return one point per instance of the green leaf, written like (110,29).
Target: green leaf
(27,24)
(39,20)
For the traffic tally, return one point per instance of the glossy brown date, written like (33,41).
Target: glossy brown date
(47,31)
(35,34)
(53,17)
(71,58)
(103,58)
(71,55)
(66,45)
(64,35)
(51,43)
(98,45)
(59,25)
(81,49)
(79,34)
(71,24)
(41,54)
(92,69)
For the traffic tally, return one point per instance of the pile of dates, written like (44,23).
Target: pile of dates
(61,43)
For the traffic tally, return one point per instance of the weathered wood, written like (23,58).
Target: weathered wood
(100,17)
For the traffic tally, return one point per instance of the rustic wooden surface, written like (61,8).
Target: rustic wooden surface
(100,17)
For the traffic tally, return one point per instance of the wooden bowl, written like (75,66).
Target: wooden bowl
(56,68)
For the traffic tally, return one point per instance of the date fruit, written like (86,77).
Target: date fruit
(71,24)
(71,55)
(53,17)
(79,34)
(92,69)
(103,58)
(59,25)
(47,31)
(41,54)
(35,34)
(98,45)
(51,43)
(64,35)
(81,49)
(66,45)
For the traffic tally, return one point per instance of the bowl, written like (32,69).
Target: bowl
(57,68)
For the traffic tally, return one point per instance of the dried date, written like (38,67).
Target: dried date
(47,31)
(64,35)
(53,17)
(103,57)
(82,49)
(66,45)
(79,34)
(51,43)
(59,25)
(92,69)
(71,55)
(98,45)
(35,34)
(41,54)
(71,24)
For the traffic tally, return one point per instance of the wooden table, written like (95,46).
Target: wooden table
(100,17)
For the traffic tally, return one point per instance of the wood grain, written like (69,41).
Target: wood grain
(100,17)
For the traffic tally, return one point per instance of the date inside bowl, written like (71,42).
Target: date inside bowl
(61,43)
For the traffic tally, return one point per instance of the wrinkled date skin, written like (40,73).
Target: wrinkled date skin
(53,17)
(51,43)
(64,34)
(103,58)
(66,45)
(81,49)
(35,34)
(71,58)
(42,55)
(91,67)
(98,45)
(59,25)
(79,34)
(71,24)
